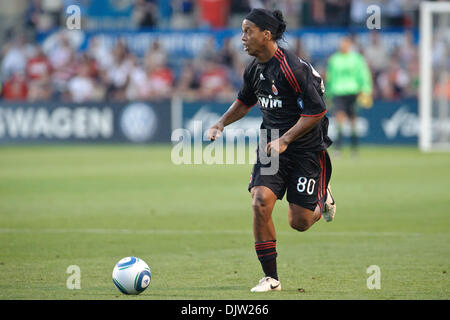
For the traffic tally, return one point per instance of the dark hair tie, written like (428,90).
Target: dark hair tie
(264,19)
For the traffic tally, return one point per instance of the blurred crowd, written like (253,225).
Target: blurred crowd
(45,14)
(30,73)
(99,74)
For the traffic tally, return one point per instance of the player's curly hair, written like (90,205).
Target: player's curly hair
(282,27)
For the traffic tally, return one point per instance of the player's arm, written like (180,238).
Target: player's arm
(365,80)
(302,127)
(240,107)
(236,111)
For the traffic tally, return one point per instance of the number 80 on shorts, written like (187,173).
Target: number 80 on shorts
(306,185)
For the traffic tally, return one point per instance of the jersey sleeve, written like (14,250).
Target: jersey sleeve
(365,78)
(311,89)
(246,94)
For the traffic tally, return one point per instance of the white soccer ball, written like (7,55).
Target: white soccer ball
(131,275)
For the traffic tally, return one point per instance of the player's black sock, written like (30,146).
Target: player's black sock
(338,142)
(354,140)
(267,255)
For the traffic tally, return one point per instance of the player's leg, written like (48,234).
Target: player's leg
(301,219)
(354,137)
(263,201)
(340,117)
(307,191)
(351,114)
(265,190)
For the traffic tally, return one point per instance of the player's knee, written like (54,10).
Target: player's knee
(260,206)
(299,224)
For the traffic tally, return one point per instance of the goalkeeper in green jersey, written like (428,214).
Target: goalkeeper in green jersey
(348,82)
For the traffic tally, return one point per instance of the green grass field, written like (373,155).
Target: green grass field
(93,205)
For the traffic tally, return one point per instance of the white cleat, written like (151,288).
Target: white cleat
(330,207)
(267,284)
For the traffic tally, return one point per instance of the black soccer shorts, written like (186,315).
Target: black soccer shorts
(303,174)
(346,104)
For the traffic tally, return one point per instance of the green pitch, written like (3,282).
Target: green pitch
(90,206)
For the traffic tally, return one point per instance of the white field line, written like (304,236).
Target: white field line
(209,232)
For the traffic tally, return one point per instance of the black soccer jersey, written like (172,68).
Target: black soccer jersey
(287,88)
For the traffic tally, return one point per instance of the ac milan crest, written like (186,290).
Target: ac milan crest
(274,89)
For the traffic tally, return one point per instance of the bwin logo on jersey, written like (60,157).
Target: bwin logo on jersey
(269,103)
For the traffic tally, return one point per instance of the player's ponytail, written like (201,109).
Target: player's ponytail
(281,27)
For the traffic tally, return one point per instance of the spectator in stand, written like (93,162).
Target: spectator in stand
(337,13)
(82,87)
(227,54)
(15,55)
(187,85)
(313,13)
(238,10)
(15,88)
(407,50)
(358,11)
(155,56)
(159,80)
(214,82)
(137,81)
(213,13)
(117,76)
(238,68)
(39,72)
(38,67)
(376,53)
(145,13)
(33,14)
(61,54)
(101,54)
(183,14)
(64,65)
(300,50)
(377,57)
(441,89)
(394,81)
(394,13)
(208,52)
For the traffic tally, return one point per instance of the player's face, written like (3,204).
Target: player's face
(345,45)
(253,39)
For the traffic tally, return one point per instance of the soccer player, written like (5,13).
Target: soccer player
(289,92)
(348,79)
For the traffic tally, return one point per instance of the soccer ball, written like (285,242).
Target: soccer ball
(131,275)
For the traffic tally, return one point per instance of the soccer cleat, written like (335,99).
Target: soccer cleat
(267,284)
(330,207)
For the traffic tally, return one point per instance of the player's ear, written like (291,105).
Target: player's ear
(267,35)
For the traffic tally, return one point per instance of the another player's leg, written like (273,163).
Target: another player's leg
(340,119)
(350,111)
(263,201)
(354,137)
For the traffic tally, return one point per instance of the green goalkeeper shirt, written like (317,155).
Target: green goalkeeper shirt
(347,73)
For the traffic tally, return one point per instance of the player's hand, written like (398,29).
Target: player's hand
(215,131)
(276,147)
(365,100)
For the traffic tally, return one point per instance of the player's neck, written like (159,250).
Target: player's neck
(268,53)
